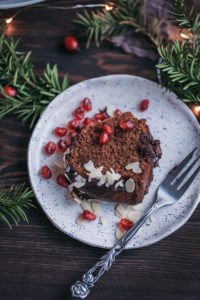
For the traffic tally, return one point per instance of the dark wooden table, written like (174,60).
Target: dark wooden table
(38,262)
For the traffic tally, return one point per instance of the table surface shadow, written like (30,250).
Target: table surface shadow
(39,262)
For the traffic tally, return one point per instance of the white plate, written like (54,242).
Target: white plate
(169,120)
(4,4)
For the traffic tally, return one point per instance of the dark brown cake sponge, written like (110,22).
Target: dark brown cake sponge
(123,148)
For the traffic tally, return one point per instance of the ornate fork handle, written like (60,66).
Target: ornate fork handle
(81,289)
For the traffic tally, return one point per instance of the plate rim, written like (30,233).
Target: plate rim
(22,4)
(149,243)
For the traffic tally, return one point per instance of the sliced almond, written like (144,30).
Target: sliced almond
(120,211)
(76,198)
(139,206)
(119,233)
(86,205)
(80,221)
(96,208)
(133,216)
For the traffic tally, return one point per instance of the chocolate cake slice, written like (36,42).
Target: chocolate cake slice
(121,169)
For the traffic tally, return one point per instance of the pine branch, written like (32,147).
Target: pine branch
(180,67)
(34,93)
(13,202)
(127,15)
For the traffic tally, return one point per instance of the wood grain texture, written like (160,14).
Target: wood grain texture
(37,262)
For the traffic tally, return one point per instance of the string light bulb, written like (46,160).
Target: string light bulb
(197,109)
(8,20)
(108,7)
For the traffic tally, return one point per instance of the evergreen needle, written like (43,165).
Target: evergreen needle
(13,202)
(34,93)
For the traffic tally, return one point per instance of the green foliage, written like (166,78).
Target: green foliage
(126,15)
(180,67)
(13,202)
(34,93)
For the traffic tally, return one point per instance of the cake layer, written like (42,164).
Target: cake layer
(120,170)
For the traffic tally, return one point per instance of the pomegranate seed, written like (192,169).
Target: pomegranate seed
(72,125)
(144,104)
(88,215)
(71,43)
(117,112)
(125,224)
(88,122)
(127,125)
(10,91)
(79,113)
(60,131)
(73,134)
(107,128)
(87,104)
(62,145)
(45,172)
(50,148)
(62,180)
(104,138)
(99,117)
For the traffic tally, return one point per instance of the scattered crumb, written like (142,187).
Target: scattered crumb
(151,219)
(102,220)
(59,165)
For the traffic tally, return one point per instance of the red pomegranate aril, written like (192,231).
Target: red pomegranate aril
(88,122)
(50,148)
(125,224)
(88,215)
(107,128)
(127,125)
(10,91)
(79,113)
(60,132)
(62,180)
(45,172)
(117,112)
(62,145)
(73,124)
(144,104)
(104,138)
(73,134)
(99,117)
(87,104)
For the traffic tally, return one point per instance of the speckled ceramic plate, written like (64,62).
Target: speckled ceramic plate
(170,121)
(4,4)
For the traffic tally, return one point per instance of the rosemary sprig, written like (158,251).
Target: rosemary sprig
(34,93)
(13,202)
(126,15)
(180,67)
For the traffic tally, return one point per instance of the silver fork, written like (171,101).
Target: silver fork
(169,192)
